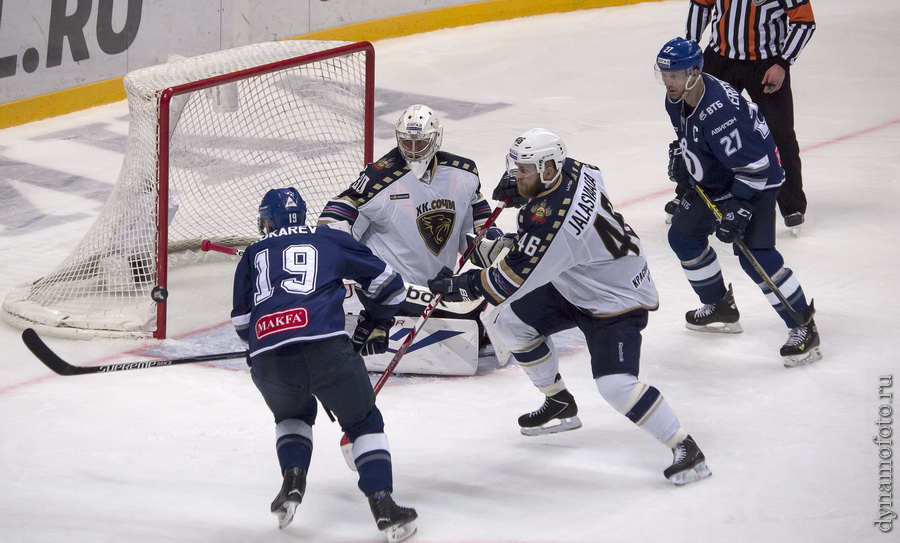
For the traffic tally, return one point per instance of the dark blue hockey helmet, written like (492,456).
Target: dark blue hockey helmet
(280,208)
(679,54)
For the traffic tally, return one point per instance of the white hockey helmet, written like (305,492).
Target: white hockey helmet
(537,146)
(419,135)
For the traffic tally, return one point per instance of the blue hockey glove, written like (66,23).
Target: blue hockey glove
(455,288)
(678,172)
(736,215)
(370,335)
(509,191)
(491,247)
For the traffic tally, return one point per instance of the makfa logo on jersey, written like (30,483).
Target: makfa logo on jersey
(281,321)
(435,220)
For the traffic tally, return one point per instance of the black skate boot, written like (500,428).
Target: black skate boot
(396,521)
(802,346)
(559,404)
(292,491)
(688,464)
(721,317)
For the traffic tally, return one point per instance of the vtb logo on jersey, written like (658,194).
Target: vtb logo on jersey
(435,228)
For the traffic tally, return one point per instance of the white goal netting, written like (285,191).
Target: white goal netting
(241,121)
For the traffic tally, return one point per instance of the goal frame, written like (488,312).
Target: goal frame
(104,287)
(164,137)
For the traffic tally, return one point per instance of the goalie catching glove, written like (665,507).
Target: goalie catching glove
(371,335)
(491,248)
(455,288)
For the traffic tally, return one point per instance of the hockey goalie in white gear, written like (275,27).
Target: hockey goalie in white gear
(419,135)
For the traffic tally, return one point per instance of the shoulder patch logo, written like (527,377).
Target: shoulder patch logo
(384,164)
(435,228)
(540,211)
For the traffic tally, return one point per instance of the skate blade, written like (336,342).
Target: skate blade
(400,532)
(717,328)
(796,231)
(814,355)
(571,423)
(285,514)
(700,471)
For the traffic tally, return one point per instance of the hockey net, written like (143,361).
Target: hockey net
(208,135)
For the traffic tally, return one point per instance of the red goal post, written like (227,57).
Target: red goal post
(208,135)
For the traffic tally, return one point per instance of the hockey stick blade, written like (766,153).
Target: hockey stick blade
(50,359)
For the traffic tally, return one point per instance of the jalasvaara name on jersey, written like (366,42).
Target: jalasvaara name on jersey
(585,203)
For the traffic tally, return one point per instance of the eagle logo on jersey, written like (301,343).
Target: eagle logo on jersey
(540,211)
(435,228)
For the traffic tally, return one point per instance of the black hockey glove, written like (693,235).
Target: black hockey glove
(736,215)
(678,172)
(455,288)
(371,335)
(491,247)
(507,190)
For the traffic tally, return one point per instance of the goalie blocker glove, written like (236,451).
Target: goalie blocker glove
(507,190)
(455,288)
(371,335)
(491,247)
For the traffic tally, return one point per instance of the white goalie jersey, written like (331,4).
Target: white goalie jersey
(416,226)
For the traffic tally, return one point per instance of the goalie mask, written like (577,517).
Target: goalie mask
(533,150)
(280,208)
(419,135)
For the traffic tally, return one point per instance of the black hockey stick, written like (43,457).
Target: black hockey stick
(798,318)
(50,359)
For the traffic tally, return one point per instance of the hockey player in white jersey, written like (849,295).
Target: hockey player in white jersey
(414,207)
(575,263)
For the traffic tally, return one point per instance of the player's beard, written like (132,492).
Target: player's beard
(529,190)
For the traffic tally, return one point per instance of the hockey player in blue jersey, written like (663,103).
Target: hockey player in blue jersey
(724,147)
(575,263)
(288,305)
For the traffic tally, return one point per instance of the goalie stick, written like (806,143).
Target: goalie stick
(798,318)
(346,445)
(52,360)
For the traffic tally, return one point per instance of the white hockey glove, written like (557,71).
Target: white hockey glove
(492,247)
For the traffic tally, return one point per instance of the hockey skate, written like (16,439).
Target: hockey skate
(560,407)
(721,317)
(802,346)
(289,498)
(397,522)
(688,464)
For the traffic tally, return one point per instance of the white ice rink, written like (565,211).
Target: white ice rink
(186,453)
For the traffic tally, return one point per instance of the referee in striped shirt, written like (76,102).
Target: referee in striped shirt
(752,45)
